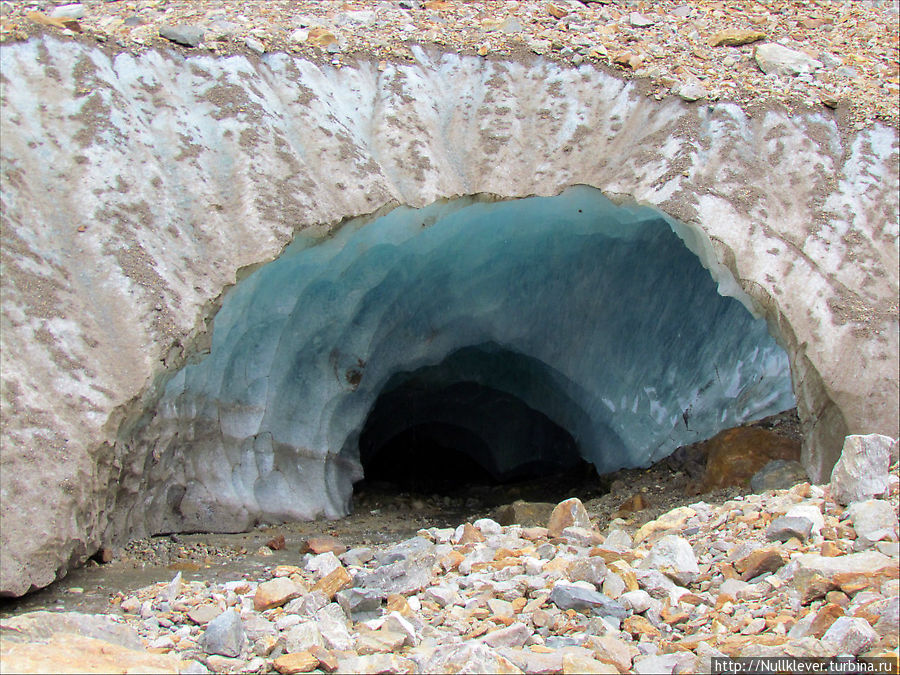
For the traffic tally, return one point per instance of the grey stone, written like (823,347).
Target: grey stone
(888,611)
(360,604)
(851,635)
(183,34)
(332,624)
(224,635)
(308,604)
(775,58)
(404,550)
(357,557)
(570,596)
(811,512)
(405,576)
(592,570)
(783,528)
(41,625)
(779,474)
(673,556)
(514,635)
(862,470)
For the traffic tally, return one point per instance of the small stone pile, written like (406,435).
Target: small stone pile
(810,54)
(809,571)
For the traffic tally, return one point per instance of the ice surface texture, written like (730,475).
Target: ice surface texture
(593,314)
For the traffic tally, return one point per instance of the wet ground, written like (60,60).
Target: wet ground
(381,514)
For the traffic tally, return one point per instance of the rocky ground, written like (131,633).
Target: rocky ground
(613,583)
(805,54)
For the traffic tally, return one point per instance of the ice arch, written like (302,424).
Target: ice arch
(595,316)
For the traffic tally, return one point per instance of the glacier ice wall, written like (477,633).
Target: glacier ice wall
(595,315)
(137,185)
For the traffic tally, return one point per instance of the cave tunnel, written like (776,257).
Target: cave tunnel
(431,431)
(510,337)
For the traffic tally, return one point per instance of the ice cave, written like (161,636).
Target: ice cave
(516,336)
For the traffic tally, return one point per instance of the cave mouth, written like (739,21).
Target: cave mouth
(426,434)
(512,333)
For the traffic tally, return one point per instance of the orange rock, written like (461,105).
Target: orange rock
(451,561)
(397,603)
(727,571)
(91,655)
(768,559)
(297,662)
(519,604)
(44,20)
(838,598)
(323,544)
(734,455)
(638,626)
(673,616)
(637,502)
(470,534)
(338,580)
(609,555)
(275,593)
(276,543)
(824,618)
(321,37)
(327,660)
(830,549)
(625,571)
(568,513)
(556,11)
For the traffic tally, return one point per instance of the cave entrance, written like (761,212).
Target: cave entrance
(429,434)
(514,335)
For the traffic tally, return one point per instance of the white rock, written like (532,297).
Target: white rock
(673,556)
(691,91)
(775,58)
(323,564)
(72,11)
(638,601)
(811,512)
(851,635)
(862,470)
(488,526)
(874,520)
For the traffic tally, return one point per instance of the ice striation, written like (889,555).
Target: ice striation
(503,322)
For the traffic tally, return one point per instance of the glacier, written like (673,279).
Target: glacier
(535,331)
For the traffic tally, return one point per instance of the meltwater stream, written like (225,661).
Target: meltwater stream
(520,334)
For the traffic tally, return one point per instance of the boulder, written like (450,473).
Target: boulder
(734,456)
(224,635)
(775,58)
(568,513)
(779,474)
(862,471)
(674,557)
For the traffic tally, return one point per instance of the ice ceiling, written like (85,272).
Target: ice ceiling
(526,333)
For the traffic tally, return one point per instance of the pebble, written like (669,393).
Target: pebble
(740,578)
